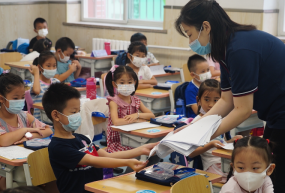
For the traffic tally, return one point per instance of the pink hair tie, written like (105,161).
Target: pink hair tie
(114,68)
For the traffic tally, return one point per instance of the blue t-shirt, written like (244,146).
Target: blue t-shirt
(64,157)
(62,68)
(190,97)
(255,63)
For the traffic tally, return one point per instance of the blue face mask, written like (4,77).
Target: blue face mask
(49,73)
(74,122)
(198,48)
(15,106)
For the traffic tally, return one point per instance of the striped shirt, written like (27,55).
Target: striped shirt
(38,98)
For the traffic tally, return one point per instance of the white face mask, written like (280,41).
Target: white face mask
(43,32)
(138,62)
(204,76)
(49,73)
(126,89)
(65,58)
(250,181)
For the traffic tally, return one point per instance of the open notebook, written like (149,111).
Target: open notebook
(15,152)
(190,138)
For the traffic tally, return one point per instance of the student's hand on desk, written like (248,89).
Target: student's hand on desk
(145,149)
(131,118)
(73,67)
(34,70)
(21,141)
(136,165)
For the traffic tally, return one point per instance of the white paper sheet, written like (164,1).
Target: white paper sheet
(15,152)
(135,126)
(155,70)
(228,146)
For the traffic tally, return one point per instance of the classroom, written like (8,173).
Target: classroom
(142,96)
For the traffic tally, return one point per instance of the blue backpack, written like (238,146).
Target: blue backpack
(121,59)
(78,82)
(180,101)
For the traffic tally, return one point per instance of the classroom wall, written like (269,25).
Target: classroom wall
(58,12)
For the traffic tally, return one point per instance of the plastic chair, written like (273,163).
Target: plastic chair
(102,84)
(193,184)
(185,74)
(29,100)
(40,168)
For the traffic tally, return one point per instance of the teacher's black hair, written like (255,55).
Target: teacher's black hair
(117,74)
(262,147)
(195,12)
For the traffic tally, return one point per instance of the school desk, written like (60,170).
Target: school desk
(225,158)
(128,183)
(97,64)
(7,167)
(21,69)
(154,99)
(44,118)
(162,78)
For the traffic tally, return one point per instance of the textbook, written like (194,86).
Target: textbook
(189,139)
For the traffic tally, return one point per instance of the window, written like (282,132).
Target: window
(281,22)
(129,12)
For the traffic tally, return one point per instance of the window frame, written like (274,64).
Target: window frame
(281,18)
(125,22)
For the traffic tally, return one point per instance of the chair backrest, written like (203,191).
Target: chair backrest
(40,168)
(29,100)
(171,96)
(193,184)
(186,73)
(9,57)
(102,84)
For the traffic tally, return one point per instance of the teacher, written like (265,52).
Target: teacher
(252,72)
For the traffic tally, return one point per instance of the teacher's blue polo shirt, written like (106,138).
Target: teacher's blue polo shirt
(255,63)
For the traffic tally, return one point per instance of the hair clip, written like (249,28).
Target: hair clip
(268,141)
(236,140)
(114,68)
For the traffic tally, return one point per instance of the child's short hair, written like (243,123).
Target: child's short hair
(134,47)
(44,56)
(193,61)
(42,45)
(64,43)
(138,37)
(39,20)
(114,76)
(8,81)
(24,189)
(56,97)
(263,147)
(208,85)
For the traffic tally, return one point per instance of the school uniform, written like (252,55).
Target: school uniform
(190,97)
(254,63)
(144,73)
(64,157)
(62,68)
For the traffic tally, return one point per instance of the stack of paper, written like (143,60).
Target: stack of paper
(156,70)
(135,126)
(190,138)
(14,152)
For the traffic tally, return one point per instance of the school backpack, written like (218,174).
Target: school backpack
(79,82)
(179,97)
(121,58)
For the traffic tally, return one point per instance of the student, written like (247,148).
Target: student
(209,93)
(251,167)
(135,59)
(41,28)
(124,106)
(200,71)
(15,123)
(214,68)
(40,46)
(67,70)
(72,166)
(150,59)
(43,74)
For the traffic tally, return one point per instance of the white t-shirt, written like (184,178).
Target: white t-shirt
(207,157)
(144,73)
(31,56)
(151,59)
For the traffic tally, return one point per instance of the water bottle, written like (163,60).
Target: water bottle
(91,88)
(108,48)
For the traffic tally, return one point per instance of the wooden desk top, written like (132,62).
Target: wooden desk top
(143,132)
(167,74)
(128,183)
(222,153)
(22,65)
(147,93)
(88,56)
